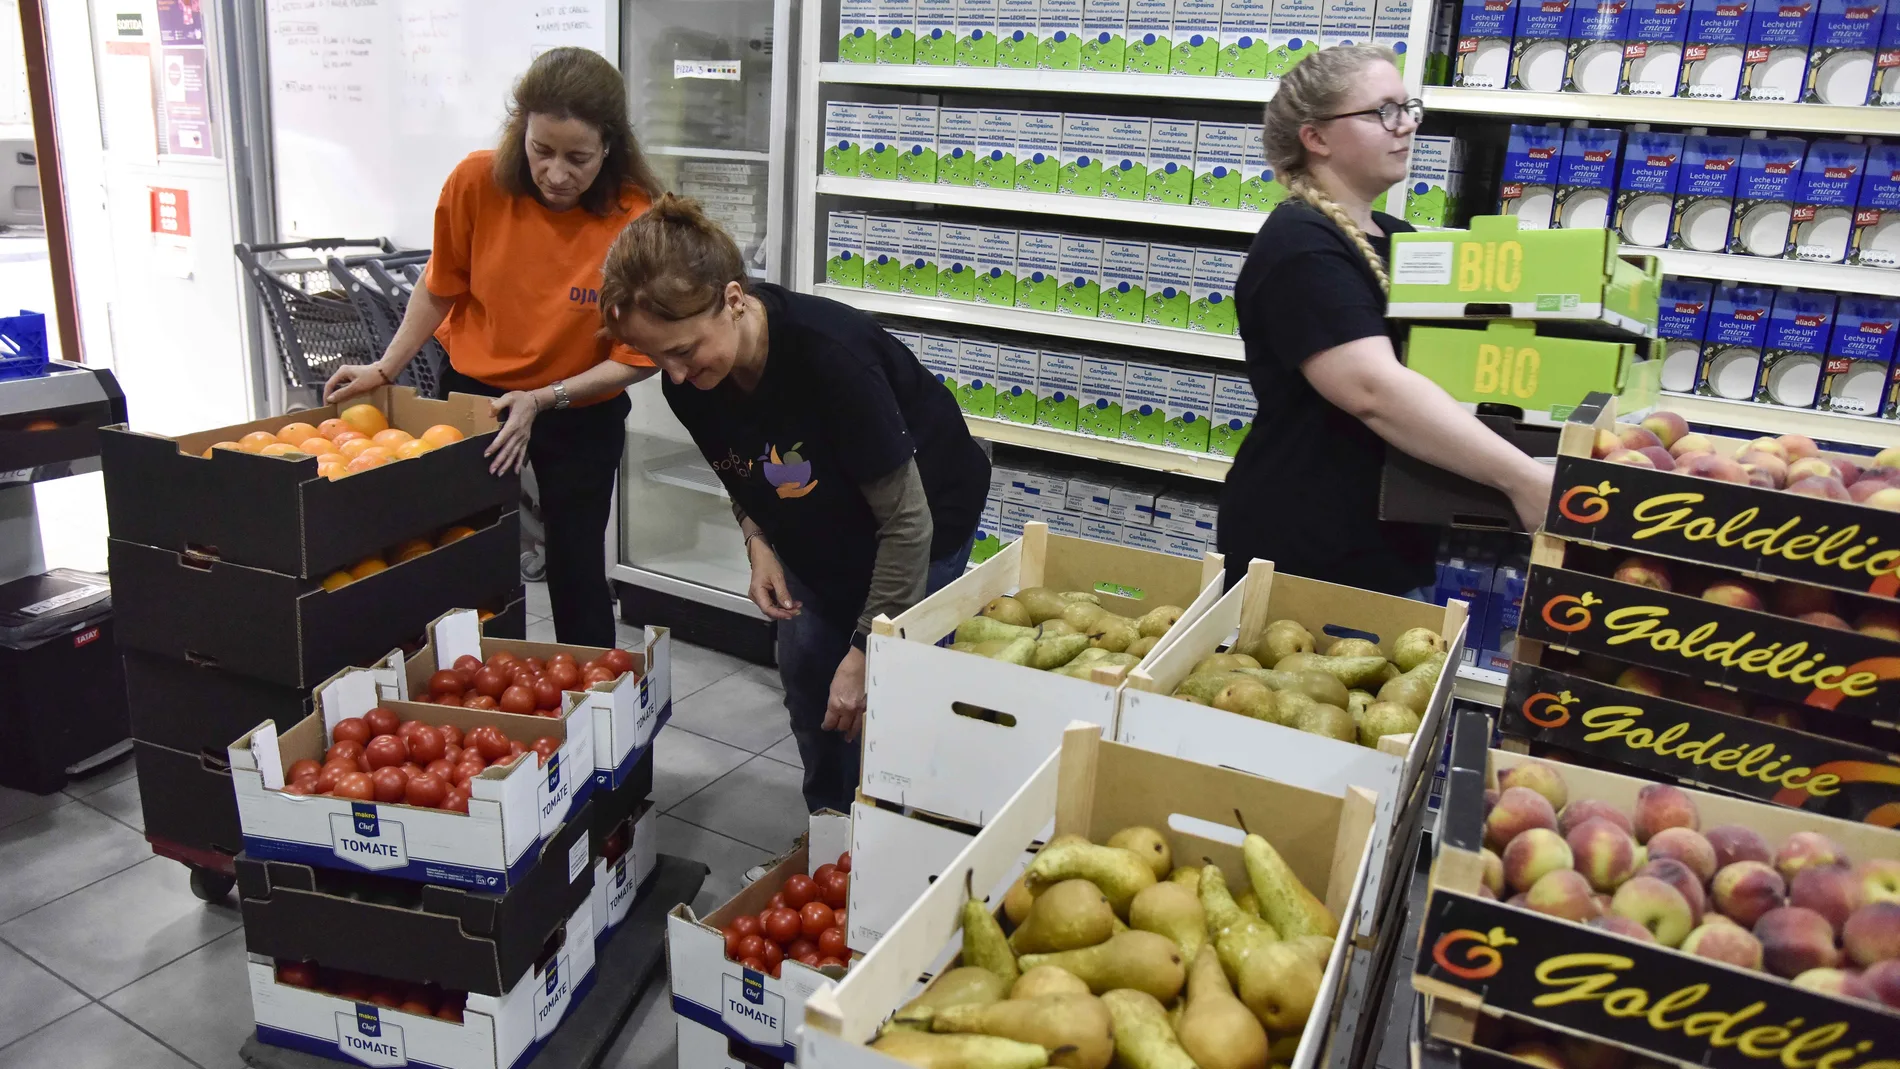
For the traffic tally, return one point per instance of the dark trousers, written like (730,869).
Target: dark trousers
(810,649)
(576,457)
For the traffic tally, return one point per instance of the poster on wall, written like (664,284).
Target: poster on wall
(188,127)
(125,97)
(181,22)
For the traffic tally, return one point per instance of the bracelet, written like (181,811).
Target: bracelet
(750,537)
(378,368)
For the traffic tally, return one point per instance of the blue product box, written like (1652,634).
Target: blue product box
(1764,196)
(1712,49)
(1498,637)
(1485,29)
(1646,193)
(1593,61)
(1824,200)
(1652,55)
(1529,182)
(1681,322)
(1731,349)
(1538,38)
(1841,59)
(1775,64)
(1468,581)
(1860,355)
(1798,329)
(1586,176)
(1876,240)
(1705,192)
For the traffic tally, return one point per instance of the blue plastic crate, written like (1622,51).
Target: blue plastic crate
(22,345)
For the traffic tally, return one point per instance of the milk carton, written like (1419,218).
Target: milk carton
(1088,495)
(937,33)
(1245,26)
(1594,57)
(1060,28)
(1104,35)
(1212,305)
(1485,28)
(1260,191)
(1586,173)
(976,378)
(1295,34)
(956,261)
(919,276)
(1038,269)
(1170,285)
(1345,22)
(1775,64)
(1824,199)
(996,266)
(1392,26)
(917,145)
(1798,329)
(1712,49)
(1855,376)
(1190,401)
(1433,178)
(1705,192)
(844,138)
(844,249)
(1038,151)
(1231,416)
(884,253)
(881,123)
(1099,411)
(1652,53)
(1171,161)
(1124,280)
(1016,26)
(1145,403)
(897,31)
(1016,383)
(1841,58)
(1058,385)
(989,534)
(1084,139)
(1538,43)
(1220,153)
(857,31)
(1150,48)
(1731,350)
(1876,240)
(1132,503)
(1681,321)
(996,149)
(1646,194)
(940,357)
(959,131)
(1196,37)
(1080,292)
(1125,159)
(977,23)
(1528,188)
(1886,92)
(1764,196)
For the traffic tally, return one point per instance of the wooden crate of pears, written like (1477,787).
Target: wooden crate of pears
(1038,635)
(1128,940)
(1290,701)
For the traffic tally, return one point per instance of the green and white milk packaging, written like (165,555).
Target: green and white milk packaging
(1392,27)
(897,31)
(1231,415)
(1190,400)
(1099,408)
(1246,26)
(1124,280)
(996,149)
(1125,158)
(857,31)
(844,249)
(917,145)
(1016,383)
(939,356)
(1295,34)
(977,22)
(1171,161)
(1059,26)
(844,138)
(1150,48)
(1211,307)
(996,266)
(880,124)
(1260,191)
(884,253)
(1016,28)
(1345,22)
(1058,385)
(959,131)
(1104,35)
(1080,270)
(1038,267)
(1434,178)
(976,377)
(1220,154)
(937,33)
(1145,403)
(1038,151)
(956,260)
(1196,37)
(1170,285)
(1084,139)
(919,276)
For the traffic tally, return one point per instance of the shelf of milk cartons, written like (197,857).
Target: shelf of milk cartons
(1016,200)
(1092,83)
(1675,111)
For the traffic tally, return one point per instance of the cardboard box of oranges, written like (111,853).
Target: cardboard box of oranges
(398,466)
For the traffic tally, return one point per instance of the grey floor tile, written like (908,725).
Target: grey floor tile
(59,851)
(538,600)
(727,858)
(105,936)
(765,675)
(540,631)
(759,803)
(695,668)
(33,996)
(684,762)
(650,1039)
(199,1005)
(121,802)
(786,750)
(16,806)
(118,771)
(90,1038)
(738,711)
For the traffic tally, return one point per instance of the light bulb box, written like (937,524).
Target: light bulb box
(1841,57)
(1791,363)
(1017,24)
(1528,186)
(1713,44)
(1764,196)
(1245,28)
(1682,320)
(857,31)
(1586,178)
(1652,54)
(878,158)
(1016,384)
(884,253)
(1038,151)
(897,31)
(1145,403)
(1646,192)
(977,23)
(1171,161)
(1190,407)
(959,132)
(1196,38)
(1058,385)
(1775,63)
(1038,269)
(1295,34)
(1539,38)
(1824,201)
(956,260)
(844,138)
(919,275)
(1104,35)
(1705,192)
(1220,153)
(976,377)
(1211,307)
(1124,280)
(1231,415)
(844,249)
(917,145)
(996,266)
(1731,350)
(1125,158)
(1059,26)
(996,136)
(1084,139)
(1100,409)
(1876,240)
(1150,48)
(1860,355)
(1485,29)
(1508,362)
(936,33)
(1170,285)
(1080,268)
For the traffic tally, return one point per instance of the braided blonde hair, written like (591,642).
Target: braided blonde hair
(1312,90)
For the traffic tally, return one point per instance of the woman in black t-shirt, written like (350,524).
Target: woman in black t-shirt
(1332,395)
(850,468)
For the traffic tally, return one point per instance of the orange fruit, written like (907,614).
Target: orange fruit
(331,456)
(223,445)
(256,440)
(410,450)
(391,438)
(43,425)
(332,427)
(440,435)
(316,445)
(354,447)
(340,437)
(365,463)
(453,534)
(368,419)
(484,616)
(338,580)
(377,451)
(278,449)
(333,472)
(367,567)
(295,433)
(412,549)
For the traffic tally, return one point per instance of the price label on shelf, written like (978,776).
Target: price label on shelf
(718,70)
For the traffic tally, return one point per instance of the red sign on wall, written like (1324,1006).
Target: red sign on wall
(171,212)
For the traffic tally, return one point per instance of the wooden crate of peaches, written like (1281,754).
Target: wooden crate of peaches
(515,684)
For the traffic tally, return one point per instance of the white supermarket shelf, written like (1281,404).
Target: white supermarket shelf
(688,471)
(1736,114)
(1763,270)
(1480,685)
(1131,454)
(1162,86)
(1121,211)
(1839,427)
(1163,339)
(690,152)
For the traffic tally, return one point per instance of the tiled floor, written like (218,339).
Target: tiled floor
(107,961)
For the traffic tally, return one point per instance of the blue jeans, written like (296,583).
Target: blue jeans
(810,649)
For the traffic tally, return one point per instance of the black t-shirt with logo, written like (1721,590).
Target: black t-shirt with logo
(841,403)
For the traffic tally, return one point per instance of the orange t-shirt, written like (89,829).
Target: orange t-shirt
(526,280)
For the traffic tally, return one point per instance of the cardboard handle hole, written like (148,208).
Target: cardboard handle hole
(1342,631)
(1132,593)
(988,716)
(1483,308)
(200,660)
(199,557)
(214,762)
(747,1054)
(1206,829)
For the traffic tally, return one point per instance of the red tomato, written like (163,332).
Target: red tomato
(844,861)
(425,743)
(297,973)
(385,750)
(381,721)
(782,925)
(503,659)
(347,750)
(467,662)
(407,728)
(733,937)
(777,902)
(562,657)
(838,962)
(752,963)
(333,771)
(451,752)
(492,744)
(835,889)
(815,918)
(389,783)
(417,1007)
(798,890)
(446,681)
(547,694)
(351,729)
(482,702)
(308,782)
(455,700)
(491,681)
(798,948)
(564,674)
(523,676)
(457,800)
(837,920)
(594,673)
(426,791)
(517,699)
(515,749)
(620,661)
(385,997)
(450,1012)
(451,735)
(746,924)
(546,746)
(752,946)
(818,875)
(810,958)
(442,768)
(356,785)
(410,770)
(464,773)
(773,955)
(831,943)
(300,769)
(302,786)
(535,665)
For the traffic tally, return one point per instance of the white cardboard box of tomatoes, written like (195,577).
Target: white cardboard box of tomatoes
(488,848)
(627,711)
(494,1033)
(617,881)
(758,1009)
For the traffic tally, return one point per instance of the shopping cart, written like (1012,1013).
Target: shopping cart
(315,326)
(380,297)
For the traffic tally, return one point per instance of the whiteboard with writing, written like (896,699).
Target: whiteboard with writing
(373,102)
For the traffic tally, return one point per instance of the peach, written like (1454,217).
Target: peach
(1769,446)
(1520,900)
(1733,842)
(1659,806)
(1747,889)
(1668,427)
(1888,459)
(1845,470)
(1582,1053)
(1872,933)
(1723,942)
(1605,853)
(1780,716)
(1519,809)
(1643,571)
(1886,498)
(1604,443)
(1810,466)
(1798,446)
(1659,457)
(1883,982)
(1793,599)
(1656,906)
(1539,776)
(1760,478)
(1486,892)
(1878,879)
(1493,870)
(1611,922)
(1636,436)
(1828,619)
(1682,878)
(1829,890)
(1532,854)
(1630,457)
(1563,893)
(1825,487)
(1584,809)
(1733,592)
(1538,1053)
(1880,622)
(1641,680)
(1711,466)
(1687,846)
(1805,848)
(1794,940)
(1693,442)
(1776,467)
(1868,485)
(1837,982)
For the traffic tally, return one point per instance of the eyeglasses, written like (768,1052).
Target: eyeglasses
(1388,113)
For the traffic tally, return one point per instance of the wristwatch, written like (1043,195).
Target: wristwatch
(858,639)
(560,393)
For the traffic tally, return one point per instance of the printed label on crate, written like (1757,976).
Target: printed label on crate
(365,840)
(1800,663)
(1735,754)
(750,1011)
(366,1037)
(1789,536)
(1639,995)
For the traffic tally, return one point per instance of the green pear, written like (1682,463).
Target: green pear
(1047,980)
(1174,911)
(1354,647)
(1121,874)
(1009,651)
(1317,948)
(1248,697)
(1280,985)
(1322,687)
(1386,675)
(1237,934)
(1082,595)
(1112,633)
(927,1050)
(1188,876)
(1155,622)
(1008,610)
(1218,907)
(965,985)
(1075,1029)
(1080,615)
(984,629)
(1386,718)
(1148,843)
(1410,690)
(1084,667)
(1017,902)
(1328,720)
(1041,603)
(984,944)
(1056,651)
(1352,671)
(1203,685)
(1143,1037)
(1055,626)
(1070,915)
(1216,1028)
(1224,662)
(1141,646)
(1284,900)
(1415,647)
(1143,961)
(1358,701)
(1282,638)
(1249,903)
(1189,698)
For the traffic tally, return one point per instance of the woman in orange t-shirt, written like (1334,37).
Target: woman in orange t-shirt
(512,291)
